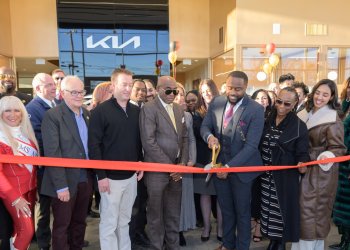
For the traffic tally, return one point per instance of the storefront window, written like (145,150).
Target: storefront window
(338,64)
(301,62)
(221,66)
(96,52)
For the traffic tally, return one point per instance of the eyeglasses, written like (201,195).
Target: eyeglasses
(59,78)
(286,104)
(7,76)
(191,100)
(76,93)
(169,91)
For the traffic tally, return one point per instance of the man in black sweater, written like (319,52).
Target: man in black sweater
(114,135)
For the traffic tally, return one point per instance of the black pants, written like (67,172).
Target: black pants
(6,228)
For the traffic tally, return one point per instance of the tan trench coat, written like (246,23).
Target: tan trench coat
(318,187)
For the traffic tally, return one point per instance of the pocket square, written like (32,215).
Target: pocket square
(242,123)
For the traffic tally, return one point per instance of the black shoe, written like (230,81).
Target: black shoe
(86,243)
(182,241)
(219,238)
(141,239)
(93,214)
(204,239)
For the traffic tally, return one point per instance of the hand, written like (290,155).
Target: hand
(63,196)
(222,176)
(22,206)
(139,175)
(190,163)
(176,176)
(302,170)
(103,186)
(213,142)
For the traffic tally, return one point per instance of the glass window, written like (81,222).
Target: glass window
(338,64)
(301,62)
(221,66)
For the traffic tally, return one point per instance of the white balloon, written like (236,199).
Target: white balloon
(332,75)
(261,76)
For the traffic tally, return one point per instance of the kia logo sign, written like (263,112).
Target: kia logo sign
(114,44)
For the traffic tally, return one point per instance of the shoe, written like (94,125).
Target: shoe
(86,243)
(257,238)
(221,247)
(93,214)
(219,238)
(206,238)
(182,241)
(141,239)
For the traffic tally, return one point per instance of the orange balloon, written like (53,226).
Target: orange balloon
(270,48)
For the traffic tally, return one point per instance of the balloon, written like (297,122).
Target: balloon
(261,76)
(274,60)
(267,68)
(172,57)
(159,63)
(270,48)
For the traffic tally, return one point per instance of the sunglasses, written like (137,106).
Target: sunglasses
(286,104)
(59,78)
(169,91)
(7,76)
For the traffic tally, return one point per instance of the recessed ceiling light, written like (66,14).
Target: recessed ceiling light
(196,60)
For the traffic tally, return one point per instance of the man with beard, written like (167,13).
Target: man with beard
(151,91)
(8,84)
(236,123)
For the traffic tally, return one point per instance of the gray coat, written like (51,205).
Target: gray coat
(61,139)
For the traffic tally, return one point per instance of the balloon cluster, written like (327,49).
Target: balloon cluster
(158,70)
(273,58)
(172,56)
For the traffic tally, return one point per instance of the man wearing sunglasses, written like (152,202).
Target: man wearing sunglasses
(236,123)
(164,140)
(58,75)
(8,85)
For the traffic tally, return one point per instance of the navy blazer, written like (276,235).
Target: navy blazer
(247,126)
(36,109)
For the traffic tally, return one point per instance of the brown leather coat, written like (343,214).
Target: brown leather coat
(318,187)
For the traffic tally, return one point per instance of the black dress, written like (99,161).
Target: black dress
(203,158)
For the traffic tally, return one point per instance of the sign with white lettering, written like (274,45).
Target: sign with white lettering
(112,42)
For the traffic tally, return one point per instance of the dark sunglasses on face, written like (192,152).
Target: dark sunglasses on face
(7,76)
(59,78)
(169,91)
(286,104)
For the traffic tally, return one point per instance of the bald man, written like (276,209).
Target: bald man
(45,88)
(8,85)
(164,140)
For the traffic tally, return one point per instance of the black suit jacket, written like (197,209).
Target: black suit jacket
(61,139)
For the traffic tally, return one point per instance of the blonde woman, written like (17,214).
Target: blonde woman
(101,93)
(17,181)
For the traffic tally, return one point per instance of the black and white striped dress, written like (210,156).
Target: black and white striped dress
(271,217)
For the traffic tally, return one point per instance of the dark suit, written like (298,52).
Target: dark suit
(36,109)
(162,144)
(239,147)
(61,139)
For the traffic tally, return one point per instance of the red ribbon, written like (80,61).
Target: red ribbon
(148,166)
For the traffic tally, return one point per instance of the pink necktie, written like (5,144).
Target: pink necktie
(228,116)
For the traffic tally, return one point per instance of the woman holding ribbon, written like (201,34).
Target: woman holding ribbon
(17,181)
(284,143)
(319,184)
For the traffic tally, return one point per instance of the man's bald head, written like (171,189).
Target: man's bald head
(167,89)
(7,80)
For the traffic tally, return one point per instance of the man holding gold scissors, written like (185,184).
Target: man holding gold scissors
(236,123)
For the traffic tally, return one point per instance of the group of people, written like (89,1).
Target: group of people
(134,120)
